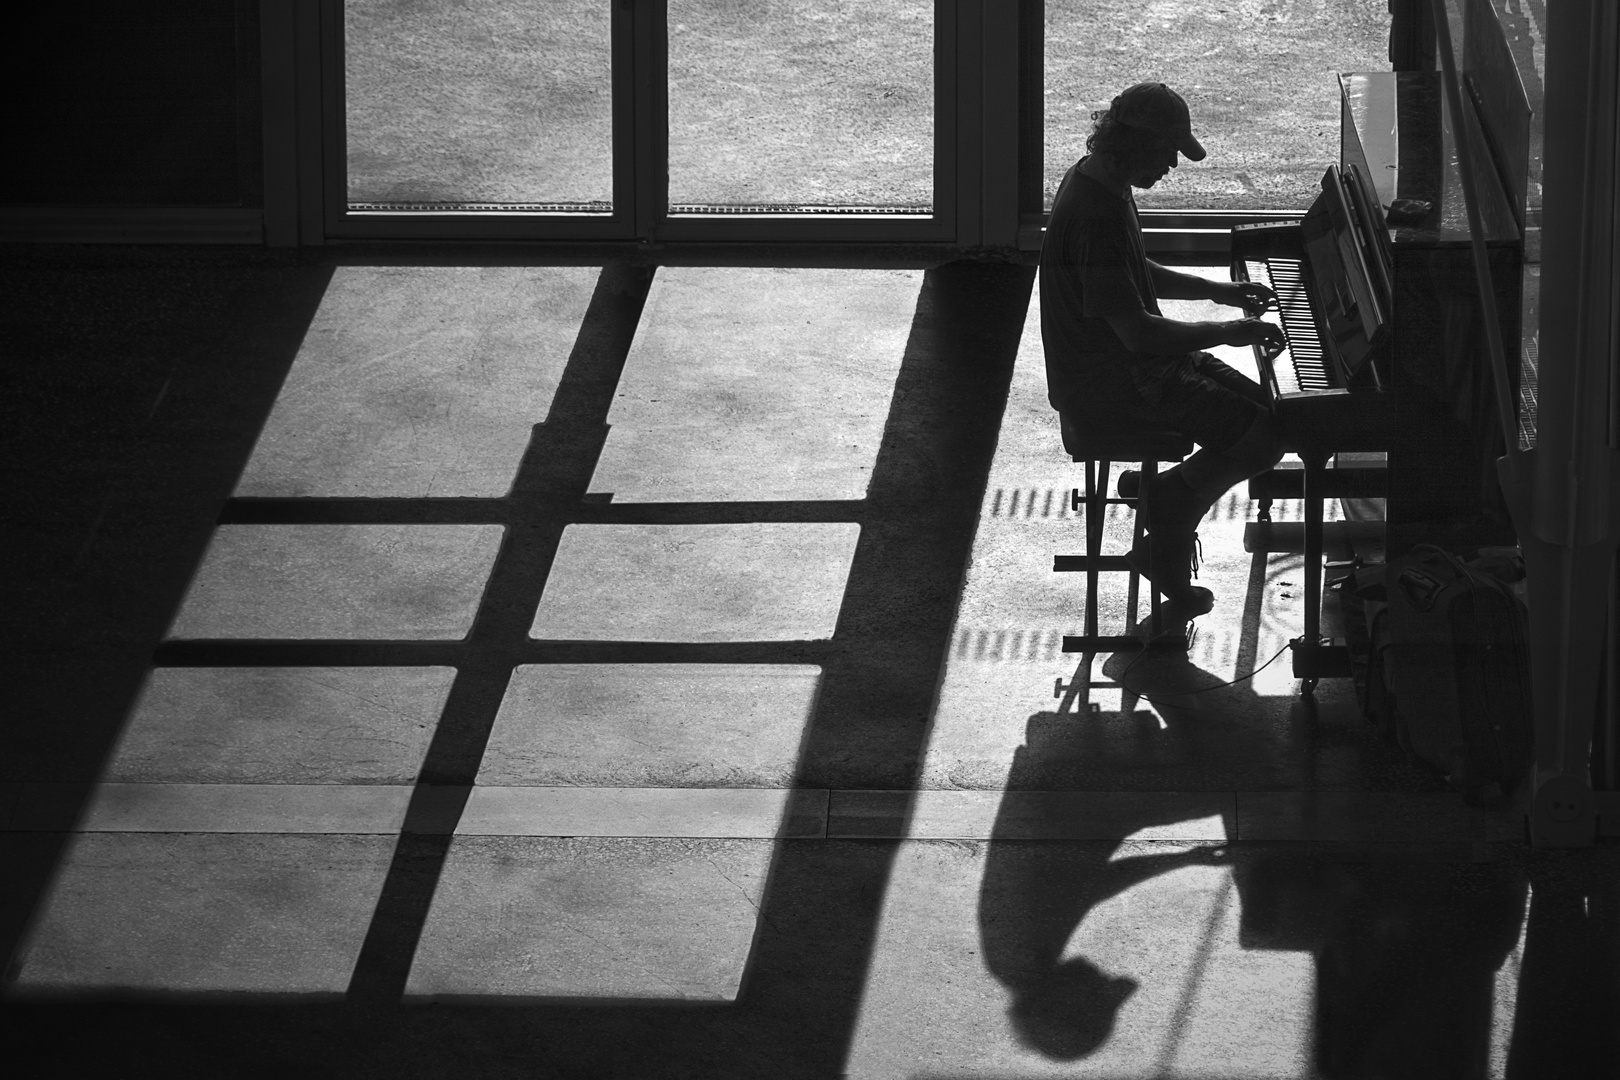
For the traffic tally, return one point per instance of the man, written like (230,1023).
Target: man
(1113,359)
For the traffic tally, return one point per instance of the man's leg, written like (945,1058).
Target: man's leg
(1183,494)
(1225,413)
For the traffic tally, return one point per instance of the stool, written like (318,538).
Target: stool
(1098,446)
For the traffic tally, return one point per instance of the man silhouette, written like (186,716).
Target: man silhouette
(1112,358)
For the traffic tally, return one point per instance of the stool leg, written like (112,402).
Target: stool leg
(1096,509)
(1133,587)
(1144,522)
(1094,532)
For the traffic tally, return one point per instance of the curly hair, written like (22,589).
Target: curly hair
(1130,147)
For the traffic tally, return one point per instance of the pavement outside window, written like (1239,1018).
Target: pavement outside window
(801,102)
(483,101)
(1258,77)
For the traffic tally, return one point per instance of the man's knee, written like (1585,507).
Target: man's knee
(1260,448)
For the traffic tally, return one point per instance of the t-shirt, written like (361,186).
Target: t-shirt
(1092,265)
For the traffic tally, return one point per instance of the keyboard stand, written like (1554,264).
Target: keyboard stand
(1314,657)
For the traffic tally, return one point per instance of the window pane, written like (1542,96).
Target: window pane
(1259,78)
(777,104)
(482,102)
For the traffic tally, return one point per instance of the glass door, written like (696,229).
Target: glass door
(483,118)
(645,119)
(1259,80)
(795,118)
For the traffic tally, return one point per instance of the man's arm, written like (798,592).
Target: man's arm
(1142,332)
(1174,285)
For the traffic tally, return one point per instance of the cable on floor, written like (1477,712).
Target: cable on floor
(1120,678)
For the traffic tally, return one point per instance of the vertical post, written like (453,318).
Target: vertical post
(1411,36)
(622,79)
(1565,495)
(1031,106)
(1309,655)
(278,65)
(651,67)
(311,136)
(972,19)
(1002,75)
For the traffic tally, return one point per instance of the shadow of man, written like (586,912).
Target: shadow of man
(1036,893)
(1406,938)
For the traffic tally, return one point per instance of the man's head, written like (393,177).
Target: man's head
(1142,131)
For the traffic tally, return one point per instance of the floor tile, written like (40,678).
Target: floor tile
(653,725)
(752,383)
(748,582)
(339,581)
(281,725)
(741,813)
(205,914)
(1029,815)
(417,381)
(517,917)
(227,808)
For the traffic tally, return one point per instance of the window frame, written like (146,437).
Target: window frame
(640,64)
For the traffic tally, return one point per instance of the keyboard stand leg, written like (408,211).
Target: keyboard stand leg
(1315,468)
(1305,659)
(1313,658)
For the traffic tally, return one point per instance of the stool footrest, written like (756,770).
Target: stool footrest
(1072,563)
(1077,499)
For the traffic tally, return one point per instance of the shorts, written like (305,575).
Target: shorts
(1192,393)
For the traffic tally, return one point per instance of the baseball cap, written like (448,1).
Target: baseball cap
(1153,106)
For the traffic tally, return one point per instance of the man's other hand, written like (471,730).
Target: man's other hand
(1255,332)
(1251,296)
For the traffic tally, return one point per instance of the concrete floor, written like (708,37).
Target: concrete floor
(580,671)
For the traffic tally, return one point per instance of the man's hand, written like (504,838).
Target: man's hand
(1251,296)
(1256,332)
